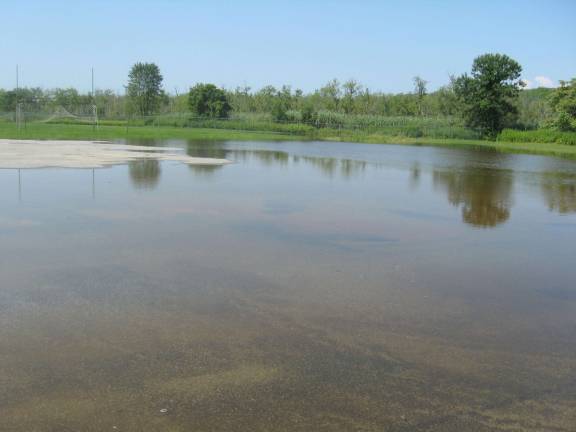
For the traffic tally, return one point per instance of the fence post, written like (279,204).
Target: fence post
(95,113)
(19,116)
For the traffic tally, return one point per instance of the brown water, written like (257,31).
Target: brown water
(308,287)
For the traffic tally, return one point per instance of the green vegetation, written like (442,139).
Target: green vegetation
(488,104)
(563,102)
(551,149)
(221,130)
(207,100)
(110,132)
(420,91)
(538,136)
(534,110)
(487,97)
(144,88)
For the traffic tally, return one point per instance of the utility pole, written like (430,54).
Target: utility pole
(18,108)
(94,108)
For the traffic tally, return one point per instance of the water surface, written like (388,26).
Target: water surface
(308,286)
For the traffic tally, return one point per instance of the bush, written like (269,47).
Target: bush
(309,114)
(564,123)
(279,111)
(538,136)
(207,100)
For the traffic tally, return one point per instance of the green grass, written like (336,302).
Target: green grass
(550,149)
(110,132)
(213,130)
(539,135)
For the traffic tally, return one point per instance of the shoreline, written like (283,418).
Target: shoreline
(109,132)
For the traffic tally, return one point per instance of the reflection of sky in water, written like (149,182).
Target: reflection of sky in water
(416,201)
(285,277)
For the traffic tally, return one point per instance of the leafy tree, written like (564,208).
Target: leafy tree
(207,100)
(534,109)
(420,91)
(488,95)
(109,103)
(309,114)
(563,102)
(144,88)
(242,100)
(34,99)
(330,95)
(279,110)
(67,98)
(297,98)
(264,98)
(351,90)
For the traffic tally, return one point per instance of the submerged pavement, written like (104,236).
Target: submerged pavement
(87,154)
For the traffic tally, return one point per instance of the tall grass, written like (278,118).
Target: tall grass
(324,124)
(538,136)
(327,122)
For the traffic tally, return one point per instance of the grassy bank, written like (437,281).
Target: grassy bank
(538,136)
(550,149)
(209,131)
(110,132)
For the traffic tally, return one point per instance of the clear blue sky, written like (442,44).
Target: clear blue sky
(383,44)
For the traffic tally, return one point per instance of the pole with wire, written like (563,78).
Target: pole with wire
(18,113)
(94,107)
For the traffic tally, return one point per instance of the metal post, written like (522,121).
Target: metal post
(19,116)
(17,99)
(94,107)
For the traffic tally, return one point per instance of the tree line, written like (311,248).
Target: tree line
(487,100)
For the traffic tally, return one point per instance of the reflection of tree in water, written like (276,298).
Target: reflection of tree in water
(204,170)
(206,149)
(350,168)
(484,194)
(415,173)
(144,173)
(346,168)
(559,190)
(269,157)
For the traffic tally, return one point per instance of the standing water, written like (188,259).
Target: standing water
(306,287)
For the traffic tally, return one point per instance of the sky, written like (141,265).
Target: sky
(382,44)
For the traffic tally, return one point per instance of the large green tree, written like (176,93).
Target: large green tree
(563,102)
(144,88)
(207,100)
(488,94)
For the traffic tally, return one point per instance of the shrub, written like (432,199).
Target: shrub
(207,100)
(538,136)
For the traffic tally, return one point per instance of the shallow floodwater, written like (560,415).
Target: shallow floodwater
(307,287)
